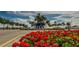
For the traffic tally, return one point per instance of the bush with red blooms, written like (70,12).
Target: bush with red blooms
(57,38)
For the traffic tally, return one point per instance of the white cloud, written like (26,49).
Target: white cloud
(73,14)
(23,21)
(22,13)
(25,13)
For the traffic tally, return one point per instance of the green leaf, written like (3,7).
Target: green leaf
(68,38)
(77,44)
(67,44)
(71,41)
(48,41)
(59,40)
(42,41)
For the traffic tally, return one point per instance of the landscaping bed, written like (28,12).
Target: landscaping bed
(58,38)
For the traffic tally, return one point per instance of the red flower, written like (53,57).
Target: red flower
(27,35)
(40,37)
(45,44)
(33,39)
(65,32)
(24,44)
(49,32)
(58,33)
(38,43)
(21,39)
(55,45)
(15,44)
(36,36)
(53,41)
(46,38)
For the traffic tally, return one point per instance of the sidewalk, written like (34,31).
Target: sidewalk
(7,42)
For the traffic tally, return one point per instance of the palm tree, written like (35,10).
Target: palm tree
(3,21)
(12,24)
(48,22)
(68,25)
(55,23)
(63,23)
(7,23)
(40,21)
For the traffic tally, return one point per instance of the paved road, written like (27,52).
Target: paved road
(8,35)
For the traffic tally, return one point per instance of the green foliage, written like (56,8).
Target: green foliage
(67,44)
(7,21)
(59,41)
(77,44)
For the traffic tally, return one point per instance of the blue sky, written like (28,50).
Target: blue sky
(51,15)
(25,14)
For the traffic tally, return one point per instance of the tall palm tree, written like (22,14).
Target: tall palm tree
(40,21)
(48,22)
(68,25)
(7,23)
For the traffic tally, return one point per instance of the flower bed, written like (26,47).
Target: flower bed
(58,38)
